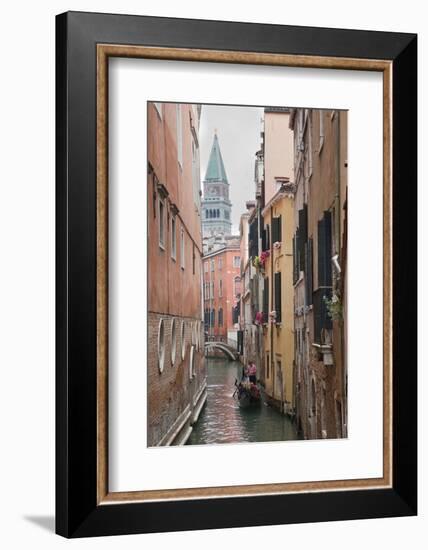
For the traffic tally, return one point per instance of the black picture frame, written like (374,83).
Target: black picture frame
(77,511)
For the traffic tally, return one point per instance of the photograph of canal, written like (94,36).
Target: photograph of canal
(247,280)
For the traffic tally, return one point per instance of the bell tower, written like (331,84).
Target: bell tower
(216,205)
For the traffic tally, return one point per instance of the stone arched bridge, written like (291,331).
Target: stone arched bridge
(229,351)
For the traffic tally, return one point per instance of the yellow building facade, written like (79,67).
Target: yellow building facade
(278,298)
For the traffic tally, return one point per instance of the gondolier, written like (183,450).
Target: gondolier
(252,372)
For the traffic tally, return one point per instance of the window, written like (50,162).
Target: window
(212,290)
(309,287)
(237,285)
(276,230)
(324,251)
(212,265)
(302,237)
(236,261)
(265,299)
(278,297)
(179,136)
(162,224)
(206,267)
(253,239)
(182,249)
(158,107)
(220,317)
(220,288)
(212,320)
(220,263)
(266,238)
(173,239)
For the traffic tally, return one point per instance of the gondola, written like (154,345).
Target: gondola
(247,393)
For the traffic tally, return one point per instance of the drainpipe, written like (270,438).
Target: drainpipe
(272,360)
(338,250)
(337,181)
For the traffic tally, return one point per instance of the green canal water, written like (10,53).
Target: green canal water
(223,421)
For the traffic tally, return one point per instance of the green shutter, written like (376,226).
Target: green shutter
(276,229)
(278,296)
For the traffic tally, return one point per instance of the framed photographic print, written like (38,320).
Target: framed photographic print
(236,274)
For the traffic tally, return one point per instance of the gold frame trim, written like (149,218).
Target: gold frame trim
(104,51)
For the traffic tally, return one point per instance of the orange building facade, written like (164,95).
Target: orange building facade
(176,369)
(222,290)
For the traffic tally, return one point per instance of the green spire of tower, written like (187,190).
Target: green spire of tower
(215,169)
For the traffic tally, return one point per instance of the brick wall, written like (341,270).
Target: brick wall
(173,389)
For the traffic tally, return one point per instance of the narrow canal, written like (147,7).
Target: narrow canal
(223,421)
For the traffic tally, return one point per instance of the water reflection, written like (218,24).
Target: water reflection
(223,421)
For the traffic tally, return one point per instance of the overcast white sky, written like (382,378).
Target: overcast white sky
(238,131)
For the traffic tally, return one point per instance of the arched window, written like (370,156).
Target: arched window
(173,341)
(183,339)
(192,370)
(161,345)
(220,317)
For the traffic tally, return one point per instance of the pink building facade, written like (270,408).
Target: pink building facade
(176,368)
(222,290)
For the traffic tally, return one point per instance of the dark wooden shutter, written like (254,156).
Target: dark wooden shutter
(267,237)
(297,253)
(253,238)
(264,239)
(274,230)
(324,251)
(240,342)
(303,236)
(294,259)
(322,320)
(265,299)
(278,296)
(309,273)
